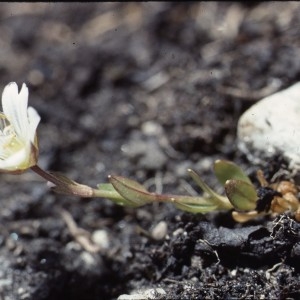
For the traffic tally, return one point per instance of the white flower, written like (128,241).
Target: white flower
(18,124)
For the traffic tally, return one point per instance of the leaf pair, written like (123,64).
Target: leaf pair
(238,187)
(136,195)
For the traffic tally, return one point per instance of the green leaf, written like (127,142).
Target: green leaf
(241,194)
(137,194)
(225,170)
(194,204)
(107,190)
(132,190)
(108,187)
(216,199)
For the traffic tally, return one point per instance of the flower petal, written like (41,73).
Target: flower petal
(16,161)
(15,108)
(34,119)
(4,141)
(18,142)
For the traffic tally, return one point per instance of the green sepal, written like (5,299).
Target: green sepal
(241,194)
(226,170)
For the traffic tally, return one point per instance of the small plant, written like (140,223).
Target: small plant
(242,197)
(19,152)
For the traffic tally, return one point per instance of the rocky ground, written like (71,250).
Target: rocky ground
(144,90)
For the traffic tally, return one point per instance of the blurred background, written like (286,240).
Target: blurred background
(98,71)
(144,90)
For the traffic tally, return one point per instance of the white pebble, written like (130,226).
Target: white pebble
(132,297)
(154,293)
(101,238)
(160,230)
(148,294)
(272,126)
(178,232)
(88,259)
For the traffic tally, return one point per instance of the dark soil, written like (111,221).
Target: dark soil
(144,90)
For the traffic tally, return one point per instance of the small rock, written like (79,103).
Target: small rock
(151,128)
(132,297)
(159,232)
(154,293)
(272,126)
(101,238)
(148,294)
(154,158)
(88,259)
(204,164)
(181,169)
(178,232)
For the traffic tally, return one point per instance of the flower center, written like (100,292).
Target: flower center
(10,143)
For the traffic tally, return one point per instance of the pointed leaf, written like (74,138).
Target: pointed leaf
(241,194)
(132,190)
(215,198)
(194,204)
(106,187)
(225,170)
(128,182)
(108,191)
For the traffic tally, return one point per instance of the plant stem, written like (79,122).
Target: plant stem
(76,188)
(45,175)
